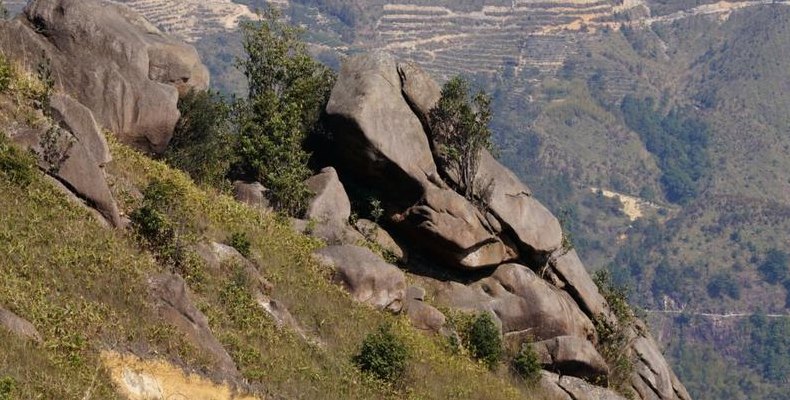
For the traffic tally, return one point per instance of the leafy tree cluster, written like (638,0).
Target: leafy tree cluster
(724,284)
(774,267)
(460,127)
(287,93)
(527,364)
(678,140)
(769,347)
(259,138)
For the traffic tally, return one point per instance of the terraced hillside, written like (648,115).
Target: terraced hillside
(191,19)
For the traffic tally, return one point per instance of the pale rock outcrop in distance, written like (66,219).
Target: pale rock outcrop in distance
(110,59)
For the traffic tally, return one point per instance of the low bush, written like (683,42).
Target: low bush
(18,166)
(613,338)
(526,364)
(6,70)
(383,355)
(6,383)
(241,243)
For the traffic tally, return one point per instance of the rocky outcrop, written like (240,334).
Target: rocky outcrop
(174,305)
(537,290)
(575,280)
(365,275)
(452,228)
(127,72)
(73,150)
(18,326)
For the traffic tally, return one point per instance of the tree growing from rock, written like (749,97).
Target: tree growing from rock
(287,93)
(460,127)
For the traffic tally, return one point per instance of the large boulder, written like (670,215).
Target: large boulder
(533,225)
(126,71)
(522,302)
(376,136)
(577,282)
(419,89)
(365,275)
(329,201)
(449,226)
(422,315)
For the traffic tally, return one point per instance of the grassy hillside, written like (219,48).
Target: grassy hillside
(84,288)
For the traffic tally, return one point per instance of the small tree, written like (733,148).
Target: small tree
(484,340)
(202,143)
(526,364)
(287,93)
(459,125)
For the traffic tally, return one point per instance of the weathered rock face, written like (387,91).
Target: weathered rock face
(330,201)
(366,276)
(577,282)
(522,302)
(653,378)
(74,152)
(376,234)
(128,73)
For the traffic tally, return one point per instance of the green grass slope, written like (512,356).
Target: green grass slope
(84,288)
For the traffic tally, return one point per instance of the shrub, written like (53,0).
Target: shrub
(459,125)
(7,384)
(6,70)
(241,243)
(484,340)
(613,338)
(526,364)
(202,144)
(16,165)
(383,355)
